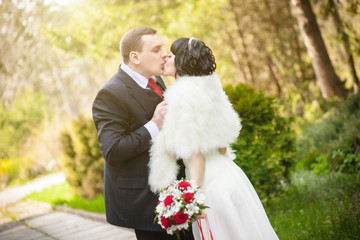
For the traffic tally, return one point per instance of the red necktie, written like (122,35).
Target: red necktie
(154,87)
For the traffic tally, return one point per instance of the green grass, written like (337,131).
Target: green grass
(318,207)
(62,195)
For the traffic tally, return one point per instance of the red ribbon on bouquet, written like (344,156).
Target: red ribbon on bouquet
(201,229)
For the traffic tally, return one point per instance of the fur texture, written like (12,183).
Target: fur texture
(199,118)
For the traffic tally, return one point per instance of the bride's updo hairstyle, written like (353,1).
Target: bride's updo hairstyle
(192,57)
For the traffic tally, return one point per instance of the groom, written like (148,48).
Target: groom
(128,112)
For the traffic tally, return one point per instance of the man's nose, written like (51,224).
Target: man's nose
(163,53)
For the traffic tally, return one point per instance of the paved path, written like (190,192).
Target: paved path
(14,194)
(34,220)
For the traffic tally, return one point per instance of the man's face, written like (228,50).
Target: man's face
(152,57)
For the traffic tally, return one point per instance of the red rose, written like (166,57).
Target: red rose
(184,185)
(180,217)
(168,201)
(165,222)
(188,197)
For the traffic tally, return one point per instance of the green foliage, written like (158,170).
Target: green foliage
(335,139)
(61,195)
(96,32)
(321,165)
(350,162)
(265,146)
(17,123)
(83,161)
(237,32)
(318,207)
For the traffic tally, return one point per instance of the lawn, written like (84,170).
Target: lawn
(62,195)
(318,207)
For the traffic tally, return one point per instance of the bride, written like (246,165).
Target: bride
(198,128)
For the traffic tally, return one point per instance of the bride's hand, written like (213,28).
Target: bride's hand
(202,216)
(222,150)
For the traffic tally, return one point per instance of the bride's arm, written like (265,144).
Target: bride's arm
(197,161)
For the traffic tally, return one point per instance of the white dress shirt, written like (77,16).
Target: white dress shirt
(142,82)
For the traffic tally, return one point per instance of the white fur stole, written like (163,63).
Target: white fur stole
(199,118)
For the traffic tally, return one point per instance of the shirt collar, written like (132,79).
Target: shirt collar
(138,78)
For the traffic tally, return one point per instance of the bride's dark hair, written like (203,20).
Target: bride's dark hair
(192,58)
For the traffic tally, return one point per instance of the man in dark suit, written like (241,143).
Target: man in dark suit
(128,112)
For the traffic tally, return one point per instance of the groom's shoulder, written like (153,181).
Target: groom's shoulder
(116,82)
(114,88)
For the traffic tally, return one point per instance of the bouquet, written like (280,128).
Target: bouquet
(178,206)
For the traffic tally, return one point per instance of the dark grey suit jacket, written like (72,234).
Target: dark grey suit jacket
(120,110)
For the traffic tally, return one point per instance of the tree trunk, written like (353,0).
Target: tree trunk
(345,39)
(275,76)
(329,82)
(243,43)
(295,44)
(235,57)
(65,96)
(273,71)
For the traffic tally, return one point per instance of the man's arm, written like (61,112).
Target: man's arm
(112,120)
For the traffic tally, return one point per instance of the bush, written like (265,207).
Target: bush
(318,207)
(17,121)
(83,161)
(17,124)
(265,146)
(336,138)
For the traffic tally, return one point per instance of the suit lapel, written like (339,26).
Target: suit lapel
(137,93)
(160,83)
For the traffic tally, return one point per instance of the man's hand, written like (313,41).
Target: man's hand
(159,114)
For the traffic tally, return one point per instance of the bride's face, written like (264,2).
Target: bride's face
(169,67)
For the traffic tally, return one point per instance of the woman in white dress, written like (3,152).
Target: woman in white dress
(199,126)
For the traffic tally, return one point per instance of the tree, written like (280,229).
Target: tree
(344,38)
(249,71)
(279,66)
(19,47)
(328,80)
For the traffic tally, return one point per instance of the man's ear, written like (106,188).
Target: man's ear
(134,57)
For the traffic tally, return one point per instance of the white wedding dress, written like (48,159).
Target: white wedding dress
(200,118)
(235,210)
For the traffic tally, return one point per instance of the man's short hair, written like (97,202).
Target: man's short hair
(131,41)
